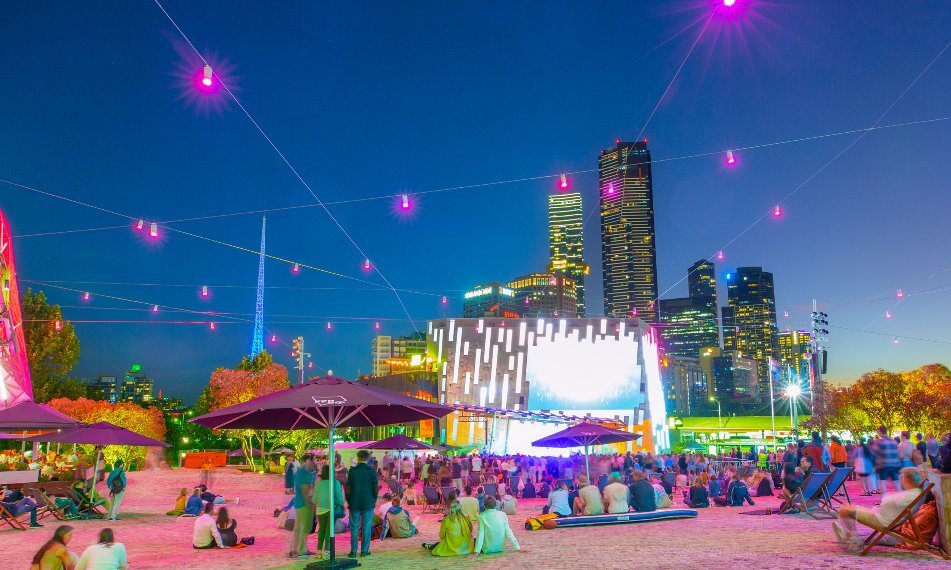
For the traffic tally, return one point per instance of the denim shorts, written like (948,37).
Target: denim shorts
(888,474)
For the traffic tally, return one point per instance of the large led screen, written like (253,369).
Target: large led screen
(565,373)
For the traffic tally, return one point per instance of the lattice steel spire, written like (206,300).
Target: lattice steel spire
(257,341)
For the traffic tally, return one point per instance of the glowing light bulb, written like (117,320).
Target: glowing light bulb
(273,338)
(86,296)
(295,268)
(556,313)
(895,340)
(310,365)
(154,308)
(786,314)
(366,264)
(729,3)
(445,300)
(58,325)
(527,302)
(611,188)
(405,202)
(720,256)
(376,326)
(730,159)
(777,211)
(153,230)
(900,294)
(206,76)
(564,181)
(888,314)
(139,224)
(212,325)
(329,327)
(634,312)
(204,290)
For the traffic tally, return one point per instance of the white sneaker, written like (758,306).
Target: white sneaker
(841,533)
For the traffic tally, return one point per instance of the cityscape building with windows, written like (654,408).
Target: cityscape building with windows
(795,360)
(545,295)
(685,385)
(134,386)
(749,321)
(392,355)
(566,242)
(492,299)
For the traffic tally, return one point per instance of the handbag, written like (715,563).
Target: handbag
(339,511)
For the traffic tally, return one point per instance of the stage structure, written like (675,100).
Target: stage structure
(15,386)
(596,367)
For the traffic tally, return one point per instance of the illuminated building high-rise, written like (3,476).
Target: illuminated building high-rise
(793,347)
(566,242)
(749,321)
(393,355)
(690,324)
(545,295)
(490,300)
(628,248)
(702,280)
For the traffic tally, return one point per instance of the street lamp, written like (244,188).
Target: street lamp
(719,415)
(793,391)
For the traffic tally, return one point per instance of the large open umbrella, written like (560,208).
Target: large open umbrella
(30,416)
(327,403)
(584,435)
(99,434)
(399,443)
(240,453)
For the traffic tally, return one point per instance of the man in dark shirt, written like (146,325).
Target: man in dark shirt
(363,486)
(643,497)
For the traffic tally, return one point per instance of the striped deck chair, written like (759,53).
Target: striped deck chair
(45,506)
(832,487)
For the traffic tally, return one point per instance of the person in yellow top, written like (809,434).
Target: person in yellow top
(839,457)
(55,554)
(179,509)
(455,534)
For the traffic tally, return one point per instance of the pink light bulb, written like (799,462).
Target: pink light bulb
(273,338)
(328,326)
(527,301)
(86,296)
(139,224)
(310,365)
(153,230)
(888,314)
(564,181)
(405,202)
(445,300)
(206,76)
(295,268)
(204,290)
(777,211)
(720,256)
(212,325)
(730,159)
(59,325)
(900,294)
(729,3)
(786,314)
(610,188)
(376,326)
(154,308)
(895,340)
(366,264)
(634,312)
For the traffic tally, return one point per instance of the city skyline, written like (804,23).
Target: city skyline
(493,134)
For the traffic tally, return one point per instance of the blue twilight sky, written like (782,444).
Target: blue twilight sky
(376,98)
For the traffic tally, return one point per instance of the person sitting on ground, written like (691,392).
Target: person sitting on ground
(455,534)
(806,465)
(209,497)
(714,488)
(409,496)
(194,505)
(55,554)
(545,490)
(557,501)
(661,497)
(764,485)
(226,528)
(529,492)
(603,481)
(106,554)
(494,530)
(470,504)
(480,496)
(643,496)
(736,493)
(180,503)
(696,497)
(617,496)
(877,518)
(508,504)
(589,499)
(682,480)
(398,521)
(24,505)
(206,533)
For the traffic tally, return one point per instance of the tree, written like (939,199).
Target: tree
(51,353)
(928,404)
(880,395)
(146,421)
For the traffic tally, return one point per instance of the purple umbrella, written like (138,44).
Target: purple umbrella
(98,434)
(30,416)
(584,435)
(327,403)
(240,453)
(398,443)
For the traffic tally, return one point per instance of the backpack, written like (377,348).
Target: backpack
(116,486)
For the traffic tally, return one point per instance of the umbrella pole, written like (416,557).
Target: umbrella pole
(587,470)
(95,476)
(330,481)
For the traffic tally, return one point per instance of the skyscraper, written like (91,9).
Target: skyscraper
(545,295)
(628,249)
(691,323)
(749,321)
(793,347)
(490,300)
(702,280)
(566,242)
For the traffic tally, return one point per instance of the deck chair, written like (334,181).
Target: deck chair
(810,495)
(836,481)
(475,480)
(45,506)
(86,506)
(671,479)
(491,489)
(396,489)
(914,540)
(433,502)
(14,522)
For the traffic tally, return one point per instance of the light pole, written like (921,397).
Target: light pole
(719,415)
(793,391)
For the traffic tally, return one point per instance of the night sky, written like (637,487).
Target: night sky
(374,99)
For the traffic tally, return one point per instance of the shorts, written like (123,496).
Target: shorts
(888,474)
(868,518)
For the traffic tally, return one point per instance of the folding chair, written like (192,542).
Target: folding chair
(395,488)
(14,522)
(671,479)
(836,482)
(810,495)
(45,506)
(491,489)
(86,506)
(433,503)
(915,540)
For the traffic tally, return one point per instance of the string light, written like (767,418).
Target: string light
(564,181)
(295,268)
(204,290)
(206,76)
(329,327)
(58,325)
(376,326)
(212,325)
(900,294)
(777,211)
(895,340)
(86,296)
(405,202)
(273,338)
(720,256)
(139,224)
(366,264)
(786,314)
(310,365)
(730,159)
(154,308)
(445,300)
(729,3)
(888,314)
(153,230)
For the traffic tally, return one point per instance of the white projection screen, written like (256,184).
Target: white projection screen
(565,373)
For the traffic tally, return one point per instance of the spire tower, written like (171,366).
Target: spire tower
(257,341)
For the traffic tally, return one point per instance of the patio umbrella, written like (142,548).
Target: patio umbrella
(99,434)
(584,435)
(398,443)
(324,403)
(281,451)
(240,453)
(30,416)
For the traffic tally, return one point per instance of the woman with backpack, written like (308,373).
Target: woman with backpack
(116,482)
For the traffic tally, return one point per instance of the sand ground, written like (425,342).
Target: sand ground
(718,537)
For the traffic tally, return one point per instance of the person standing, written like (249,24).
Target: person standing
(931,450)
(838,453)
(814,451)
(887,462)
(476,465)
(363,486)
(303,508)
(325,517)
(905,449)
(116,482)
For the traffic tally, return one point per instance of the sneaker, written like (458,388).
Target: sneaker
(856,546)
(351,554)
(364,554)
(840,533)
(36,525)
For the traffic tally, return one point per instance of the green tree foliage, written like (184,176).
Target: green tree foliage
(52,353)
